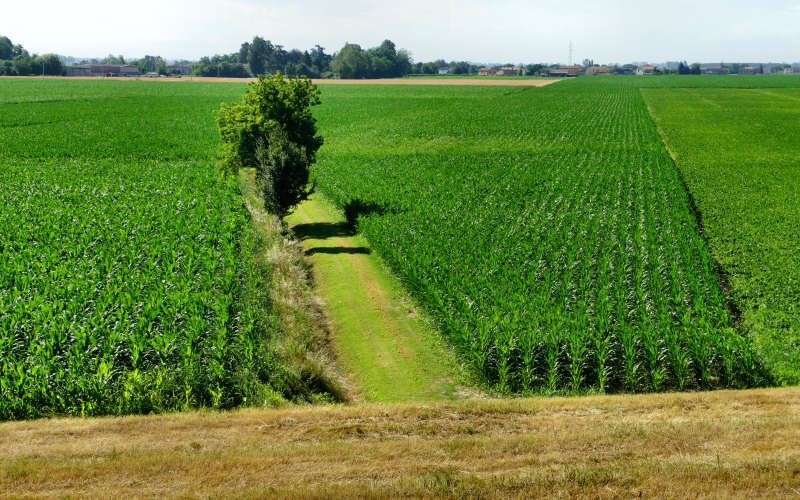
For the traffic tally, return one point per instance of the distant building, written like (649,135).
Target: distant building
(562,71)
(508,70)
(101,70)
(599,70)
(716,70)
(748,70)
(768,69)
(501,71)
(646,69)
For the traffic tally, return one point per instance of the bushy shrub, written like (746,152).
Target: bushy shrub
(273,103)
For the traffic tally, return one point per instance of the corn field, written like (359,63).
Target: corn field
(128,282)
(548,233)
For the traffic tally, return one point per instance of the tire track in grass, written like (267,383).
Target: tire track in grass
(393,354)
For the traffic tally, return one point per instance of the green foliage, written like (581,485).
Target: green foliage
(351,62)
(384,61)
(272,103)
(15,61)
(50,63)
(547,230)
(225,69)
(112,59)
(151,64)
(266,58)
(257,55)
(5,47)
(282,173)
(83,130)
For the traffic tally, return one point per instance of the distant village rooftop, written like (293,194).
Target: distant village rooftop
(101,70)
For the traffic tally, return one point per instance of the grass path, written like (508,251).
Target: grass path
(377,333)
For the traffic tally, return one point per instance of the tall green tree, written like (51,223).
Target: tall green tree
(282,172)
(50,63)
(257,55)
(149,64)
(351,62)
(272,102)
(273,130)
(6,48)
(244,51)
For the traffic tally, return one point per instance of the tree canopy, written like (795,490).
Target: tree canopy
(384,61)
(272,129)
(15,60)
(6,47)
(270,102)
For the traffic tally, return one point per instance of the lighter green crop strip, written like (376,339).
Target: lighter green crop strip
(737,150)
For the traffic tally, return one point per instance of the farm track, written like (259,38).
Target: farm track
(741,444)
(377,332)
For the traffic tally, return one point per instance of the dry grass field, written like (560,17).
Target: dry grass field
(743,444)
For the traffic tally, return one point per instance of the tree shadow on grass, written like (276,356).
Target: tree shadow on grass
(339,250)
(325,230)
(353,209)
(322,230)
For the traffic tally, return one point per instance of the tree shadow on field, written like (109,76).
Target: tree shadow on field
(357,207)
(322,230)
(339,250)
(353,209)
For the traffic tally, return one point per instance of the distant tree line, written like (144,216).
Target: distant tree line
(384,61)
(16,61)
(261,56)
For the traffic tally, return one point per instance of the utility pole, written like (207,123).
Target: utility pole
(42,69)
(570,52)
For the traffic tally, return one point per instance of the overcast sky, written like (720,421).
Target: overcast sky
(499,31)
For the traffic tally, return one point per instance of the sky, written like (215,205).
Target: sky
(480,31)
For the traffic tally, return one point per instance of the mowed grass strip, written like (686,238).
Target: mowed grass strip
(738,152)
(379,335)
(737,444)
